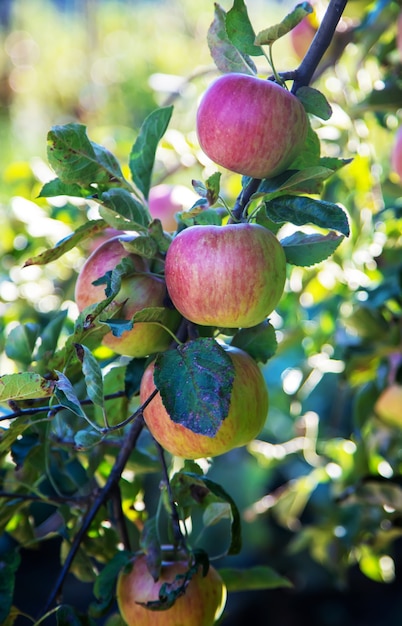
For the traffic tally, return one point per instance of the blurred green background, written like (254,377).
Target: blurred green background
(311,490)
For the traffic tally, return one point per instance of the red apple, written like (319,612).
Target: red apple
(396,155)
(389,406)
(246,417)
(141,290)
(166,200)
(251,126)
(301,36)
(227,276)
(201,604)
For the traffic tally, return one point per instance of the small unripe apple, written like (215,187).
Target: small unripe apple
(251,126)
(228,276)
(246,417)
(165,201)
(389,405)
(201,605)
(138,291)
(396,155)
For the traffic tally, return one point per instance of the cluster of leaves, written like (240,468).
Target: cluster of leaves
(71,405)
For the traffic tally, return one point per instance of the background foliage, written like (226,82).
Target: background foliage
(319,493)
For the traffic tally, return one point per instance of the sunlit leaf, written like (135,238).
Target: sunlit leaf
(226,56)
(24,386)
(240,31)
(252,578)
(21,342)
(127,207)
(301,210)
(269,35)
(314,102)
(308,249)
(92,374)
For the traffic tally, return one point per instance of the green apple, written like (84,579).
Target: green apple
(201,605)
(246,417)
(228,276)
(138,291)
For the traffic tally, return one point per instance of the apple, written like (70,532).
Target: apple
(246,417)
(389,405)
(227,276)
(201,605)
(138,291)
(165,201)
(251,126)
(302,35)
(396,155)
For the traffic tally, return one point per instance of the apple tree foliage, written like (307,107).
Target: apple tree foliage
(77,462)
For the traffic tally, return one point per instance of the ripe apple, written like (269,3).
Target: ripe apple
(389,405)
(166,200)
(246,417)
(396,155)
(251,126)
(201,605)
(227,276)
(138,291)
(302,35)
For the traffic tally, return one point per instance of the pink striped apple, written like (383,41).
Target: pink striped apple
(251,126)
(226,276)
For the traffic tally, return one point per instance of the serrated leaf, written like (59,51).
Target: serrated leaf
(56,188)
(314,102)
(307,249)
(21,342)
(269,35)
(259,341)
(143,245)
(128,208)
(25,386)
(226,56)
(300,210)
(240,30)
(252,578)
(67,396)
(142,156)
(85,231)
(92,374)
(307,180)
(77,160)
(195,382)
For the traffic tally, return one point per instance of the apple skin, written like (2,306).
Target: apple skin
(228,276)
(247,413)
(396,155)
(137,292)
(251,126)
(389,406)
(301,37)
(165,201)
(201,605)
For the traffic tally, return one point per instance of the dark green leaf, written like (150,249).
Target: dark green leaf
(310,154)
(305,250)
(11,434)
(56,187)
(21,342)
(213,188)
(86,439)
(68,616)
(88,230)
(67,396)
(143,245)
(50,336)
(252,578)
(105,584)
(226,56)
(9,563)
(269,35)
(162,239)
(128,208)
(195,382)
(240,30)
(92,374)
(150,544)
(307,180)
(201,216)
(259,341)
(333,163)
(314,102)
(143,152)
(133,376)
(300,210)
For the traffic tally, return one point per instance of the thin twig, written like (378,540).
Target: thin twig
(178,539)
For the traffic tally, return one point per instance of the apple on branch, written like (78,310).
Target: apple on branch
(251,126)
(227,276)
(248,410)
(138,291)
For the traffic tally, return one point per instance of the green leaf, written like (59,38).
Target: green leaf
(128,208)
(300,210)
(104,588)
(21,342)
(252,578)
(305,250)
(25,386)
(151,546)
(162,239)
(143,152)
(307,180)
(310,154)
(86,439)
(195,382)
(77,160)
(226,56)
(314,102)
(269,35)
(67,396)
(56,187)
(11,434)
(9,563)
(213,188)
(50,335)
(92,374)
(259,341)
(240,30)
(143,245)
(333,163)
(133,376)
(85,231)
(215,512)
(68,616)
